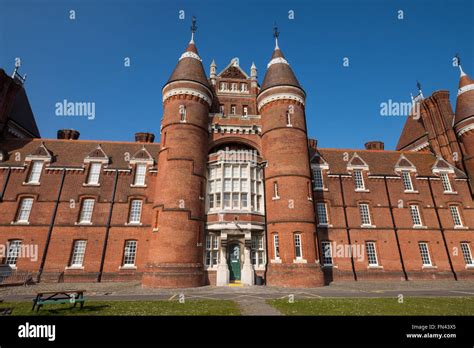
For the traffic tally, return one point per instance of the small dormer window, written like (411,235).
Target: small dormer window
(446,183)
(359,180)
(35,173)
(94,173)
(407,183)
(140,174)
(318,179)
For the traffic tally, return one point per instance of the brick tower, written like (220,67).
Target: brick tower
(175,252)
(464,122)
(288,195)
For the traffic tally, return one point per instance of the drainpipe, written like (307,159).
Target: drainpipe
(441,229)
(263,165)
(4,189)
(347,225)
(107,228)
(395,229)
(51,226)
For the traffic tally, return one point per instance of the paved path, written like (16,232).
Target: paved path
(254,305)
(248,295)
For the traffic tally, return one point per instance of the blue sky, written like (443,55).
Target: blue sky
(83,59)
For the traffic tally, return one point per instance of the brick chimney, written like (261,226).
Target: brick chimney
(313,143)
(68,134)
(143,137)
(374,145)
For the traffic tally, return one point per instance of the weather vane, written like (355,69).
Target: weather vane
(276,33)
(458,59)
(418,85)
(194,26)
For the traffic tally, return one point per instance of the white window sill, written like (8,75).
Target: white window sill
(411,191)
(324,225)
(450,192)
(20,223)
(11,266)
(156,229)
(74,268)
(367,226)
(320,189)
(310,199)
(420,227)
(330,266)
(182,121)
(461,227)
(300,261)
(375,267)
(275,261)
(127,267)
(429,267)
(362,190)
(289,125)
(210,268)
(31,183)
(275,198)
(133,224)
(83,223)
(91,185)
(469,266)
(138,186)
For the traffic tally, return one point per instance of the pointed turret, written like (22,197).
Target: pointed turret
(189,67)
(465,100)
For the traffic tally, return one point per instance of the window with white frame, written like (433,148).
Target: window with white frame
(276,194)
(365,214)
(94,173)
(222,109)
(24,211)
(257,251)
(86,211)
(371,253)
(35,173)
(298,248)
(182,113)
(466,253)
(14,248)
(135,211)
(223,86)
(318,179)
(245,110)
(327,253)
(446,183)
(238,185)
(233,109)
(359,180)
(243,87)
(288,119)
(407,183)
(415,215)
(130,253)
(321,209)
(233,87)
(212,250)
(456,216)
(276,246)
(425,254)
(140,174)
(78,252)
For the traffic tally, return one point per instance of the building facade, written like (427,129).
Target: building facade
(235,192)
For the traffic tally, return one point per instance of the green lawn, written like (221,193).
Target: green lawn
(192,307)
(377,306)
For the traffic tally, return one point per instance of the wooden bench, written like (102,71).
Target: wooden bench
(59,297)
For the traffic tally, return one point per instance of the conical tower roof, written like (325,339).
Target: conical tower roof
(189,67)
(279,72)
(465,99)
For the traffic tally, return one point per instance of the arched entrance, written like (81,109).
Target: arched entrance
(234,263)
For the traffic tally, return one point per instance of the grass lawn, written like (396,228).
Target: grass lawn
(192,307)
(377,306)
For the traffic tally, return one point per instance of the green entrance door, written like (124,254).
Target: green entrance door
(234,262)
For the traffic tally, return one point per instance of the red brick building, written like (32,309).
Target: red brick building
(236,192)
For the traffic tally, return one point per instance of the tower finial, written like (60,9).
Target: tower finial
(276,33)
(458,62)
(193,29)
(418,85)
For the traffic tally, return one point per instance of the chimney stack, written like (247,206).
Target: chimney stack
(68,134)
(143,137)
(374,145)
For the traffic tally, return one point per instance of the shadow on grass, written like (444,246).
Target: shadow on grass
(86,310)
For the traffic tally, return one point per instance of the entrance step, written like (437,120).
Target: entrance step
(236,283)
